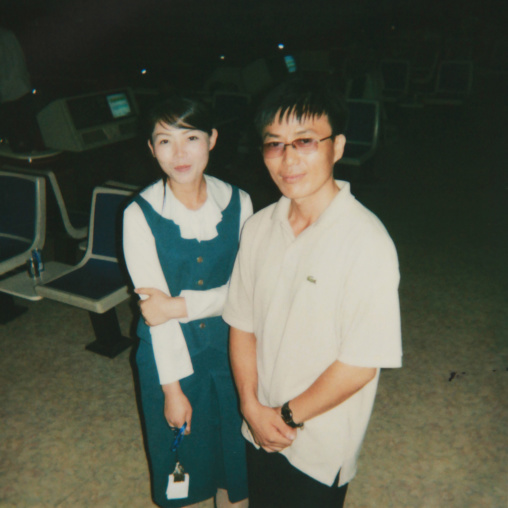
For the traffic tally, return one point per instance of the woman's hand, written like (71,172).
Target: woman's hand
(177,408)
(159,307)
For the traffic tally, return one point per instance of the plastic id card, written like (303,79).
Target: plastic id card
(178,484)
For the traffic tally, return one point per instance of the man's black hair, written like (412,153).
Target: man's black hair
(303,98)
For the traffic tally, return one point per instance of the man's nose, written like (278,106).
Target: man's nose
(290,154)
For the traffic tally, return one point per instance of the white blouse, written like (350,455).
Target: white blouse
(170,349)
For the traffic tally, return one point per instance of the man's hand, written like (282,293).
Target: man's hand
(177,408)
(268,429)
(160,307)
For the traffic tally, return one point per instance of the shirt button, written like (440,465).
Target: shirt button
(200,282)
(199,259)
(202,325)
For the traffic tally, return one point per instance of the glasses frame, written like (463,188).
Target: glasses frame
(284,145)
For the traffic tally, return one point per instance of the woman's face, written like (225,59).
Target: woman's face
(182,153)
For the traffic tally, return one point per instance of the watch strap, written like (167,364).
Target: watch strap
(287,416)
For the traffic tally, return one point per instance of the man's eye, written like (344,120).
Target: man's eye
(193,138)
(163,141)
(303,141)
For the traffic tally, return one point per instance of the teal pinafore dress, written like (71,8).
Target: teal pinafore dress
(214,453)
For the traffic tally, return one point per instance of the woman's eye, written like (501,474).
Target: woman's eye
(193,138)
(273,144)
(163,141)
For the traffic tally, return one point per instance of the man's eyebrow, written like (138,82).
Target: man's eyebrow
(302,132)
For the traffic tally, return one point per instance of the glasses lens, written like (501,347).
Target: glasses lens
(305,145)
(271,150)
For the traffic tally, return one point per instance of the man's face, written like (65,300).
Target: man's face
(300,175)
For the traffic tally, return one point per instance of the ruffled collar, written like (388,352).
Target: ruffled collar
(200,224)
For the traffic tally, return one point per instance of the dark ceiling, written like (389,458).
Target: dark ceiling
(87,39)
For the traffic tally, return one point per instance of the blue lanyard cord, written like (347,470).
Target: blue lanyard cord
(178,437)
(179,471)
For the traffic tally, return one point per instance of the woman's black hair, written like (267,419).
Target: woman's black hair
(303,98)
(182,112)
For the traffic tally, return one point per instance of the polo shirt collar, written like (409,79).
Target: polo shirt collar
(339,202)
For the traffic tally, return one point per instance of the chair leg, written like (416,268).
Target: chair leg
(109,340)
(9,310)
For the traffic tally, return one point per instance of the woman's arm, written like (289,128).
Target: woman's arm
(170,349)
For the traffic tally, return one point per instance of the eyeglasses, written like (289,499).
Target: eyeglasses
(274,149)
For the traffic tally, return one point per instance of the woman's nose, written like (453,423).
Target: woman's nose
(180,149)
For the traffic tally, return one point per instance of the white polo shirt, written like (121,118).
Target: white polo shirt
(329,294)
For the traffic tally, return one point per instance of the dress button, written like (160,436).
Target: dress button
(200,282)
(202,325)
(199,259)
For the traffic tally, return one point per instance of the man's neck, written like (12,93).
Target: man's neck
(305,211)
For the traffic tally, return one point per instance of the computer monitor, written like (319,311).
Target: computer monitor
(89,121)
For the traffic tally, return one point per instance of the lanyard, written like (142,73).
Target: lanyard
(179,472)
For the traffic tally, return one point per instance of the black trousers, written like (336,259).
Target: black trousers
(275,483)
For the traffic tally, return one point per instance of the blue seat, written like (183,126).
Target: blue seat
(98,283)
(454,83)
(75,224)
(22,229)
(362,131)
(22,218)
(395,78)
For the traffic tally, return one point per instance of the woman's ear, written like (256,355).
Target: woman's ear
(213,139)
(151,147)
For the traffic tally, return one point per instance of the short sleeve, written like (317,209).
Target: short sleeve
(368,320)
(238,311)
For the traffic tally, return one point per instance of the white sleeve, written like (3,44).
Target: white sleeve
(238,310)
(369,318)
(210,303)
(170,349)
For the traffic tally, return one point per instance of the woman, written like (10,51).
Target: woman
(180,241)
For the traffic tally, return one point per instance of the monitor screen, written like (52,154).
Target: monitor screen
(290,63)
(119,105)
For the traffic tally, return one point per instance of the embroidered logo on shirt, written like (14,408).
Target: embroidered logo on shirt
(310,278)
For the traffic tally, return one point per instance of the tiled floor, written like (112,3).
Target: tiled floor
(70,434)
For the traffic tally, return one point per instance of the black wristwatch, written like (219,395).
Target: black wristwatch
(287,416)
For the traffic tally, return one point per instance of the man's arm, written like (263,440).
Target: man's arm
(337,383)
(265,423)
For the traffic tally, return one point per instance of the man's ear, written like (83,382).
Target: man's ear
(213,138)
(338,147)
(151,147)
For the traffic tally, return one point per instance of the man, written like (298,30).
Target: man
(313,309)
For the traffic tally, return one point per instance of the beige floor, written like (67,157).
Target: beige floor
(70,434)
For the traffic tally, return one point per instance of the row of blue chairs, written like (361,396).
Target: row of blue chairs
(96,284)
